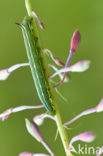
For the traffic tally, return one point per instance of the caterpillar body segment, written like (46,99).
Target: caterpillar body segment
(37,65)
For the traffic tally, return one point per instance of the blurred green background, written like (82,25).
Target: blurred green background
(84,91)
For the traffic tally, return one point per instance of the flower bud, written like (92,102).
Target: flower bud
(75,41)
(38,119)
(58,62)
(80,66)
(26,154)
(4,74)
(41,25)
(38,20)
(86,137)
(34,130)
(6,114)
(99,108)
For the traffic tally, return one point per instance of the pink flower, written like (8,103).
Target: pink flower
(75,41)
(26,154)
(85,137)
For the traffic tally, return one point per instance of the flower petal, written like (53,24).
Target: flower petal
(7,113)
(6,72)
(85,137)
(80,66)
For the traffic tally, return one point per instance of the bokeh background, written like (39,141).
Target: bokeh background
(84,91)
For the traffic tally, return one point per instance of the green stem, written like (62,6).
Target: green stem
(61,129)
(62,132)
(28,7)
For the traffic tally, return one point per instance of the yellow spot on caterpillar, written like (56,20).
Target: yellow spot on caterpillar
(43,97)
(42,94)
(31,55)
(29,44)
(34,65)
(37,75)
(45,100)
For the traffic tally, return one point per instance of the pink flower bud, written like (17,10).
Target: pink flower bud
(58,62)
(31,154)
(4,74)
(99,108)
(26,154)
(80,66)
(86,137)
(75,41)
(5,114)
(38,119)
(42,26)
(34,130)
(38,20)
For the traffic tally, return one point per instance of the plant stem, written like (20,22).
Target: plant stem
(28,7)
(59,123)
(62,132)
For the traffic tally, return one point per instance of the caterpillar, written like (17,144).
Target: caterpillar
(37,65)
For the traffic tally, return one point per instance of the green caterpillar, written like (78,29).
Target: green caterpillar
(37,66)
